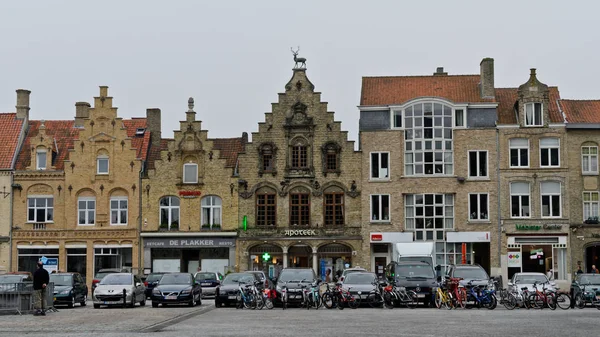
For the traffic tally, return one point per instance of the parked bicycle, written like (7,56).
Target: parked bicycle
(310,294)
(483,298)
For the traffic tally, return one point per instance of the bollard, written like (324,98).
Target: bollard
(124,298)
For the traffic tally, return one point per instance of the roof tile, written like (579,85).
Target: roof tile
(10,130)
(581,111)
(507,97)
(229,149)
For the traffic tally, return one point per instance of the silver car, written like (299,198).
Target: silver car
(522,280)
(209,281)
(110,290)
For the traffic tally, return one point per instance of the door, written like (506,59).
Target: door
(379,266)
(166,265)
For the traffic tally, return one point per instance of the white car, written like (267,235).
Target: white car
(110,290)
(522,280)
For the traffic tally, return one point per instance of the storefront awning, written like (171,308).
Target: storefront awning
(391,237)
(468,237)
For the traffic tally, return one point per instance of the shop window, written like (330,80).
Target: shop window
(519,200)
(590,207)
(169,213)
(478,206)
(589,160)
(533,114)
(550,191)
(380,167)
(118,210)
(86,210)
(266,209)
(299,209)
(549,152)
(211,212)
(28,257)
(429,215)
(334,208)
(40,209)
(449,253)
(478,166)
(102,164)
(380,208)
(114,258)
(40,159)
(190,173)
(519,152)
(77,261)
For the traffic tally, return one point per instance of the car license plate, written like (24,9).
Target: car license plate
(231,297)
(171,297)
(205,284)
(112,302)
(420,295)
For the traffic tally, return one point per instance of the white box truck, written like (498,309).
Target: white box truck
(415,251)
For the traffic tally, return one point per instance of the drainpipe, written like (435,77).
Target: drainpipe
(140,219)
(498,200)
(10,219)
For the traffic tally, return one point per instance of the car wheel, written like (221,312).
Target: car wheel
(72,304)
(96,306)
(154,305)
(217,304)
(84,302)
(132,304)
(192,302)
(143,302)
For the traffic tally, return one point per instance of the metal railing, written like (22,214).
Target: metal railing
(20,298)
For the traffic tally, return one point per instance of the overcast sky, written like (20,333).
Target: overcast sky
(234,57)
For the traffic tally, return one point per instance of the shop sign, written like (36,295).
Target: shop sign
(300,232)
(553,226)
(376,237)
(391,237)
(188,242)
(528,227)
(514,260)
(190,194)
(467,237)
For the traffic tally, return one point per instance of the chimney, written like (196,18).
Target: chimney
(244,138)
(23,104)
(486,82)
(82,111)
(440,72)
(153,125)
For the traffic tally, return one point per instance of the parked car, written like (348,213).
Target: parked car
(267,283)
(522,280)
(227,291)
(102,273)
(177,288)
(350,270)
(69,288)
(209,281)
(151,282)
(12,283)
(473,273)
(292,278)
(414,275)
(360,284)
(25,276)
(588,285)
(109,291)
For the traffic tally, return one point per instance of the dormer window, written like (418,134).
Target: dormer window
(140,131)
(533,114)
(40,159)
(267,159)
(190,173)
(102,164)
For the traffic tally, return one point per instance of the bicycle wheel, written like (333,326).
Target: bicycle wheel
(375,300)
(510,302)
(268,303)
(536,302)
(492,302)
(284,299)
(316,300)
(579,301)
(551,301)
(461,297)
(353,301)
(328,300)
(412,299)
(438,299)
(388,300)
(563,301)
(259,302)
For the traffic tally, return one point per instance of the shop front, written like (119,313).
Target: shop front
(383,247)
(180,252)
(539,253)
(465,248)
(320,249)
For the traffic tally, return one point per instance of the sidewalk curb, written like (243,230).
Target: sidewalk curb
(172,321)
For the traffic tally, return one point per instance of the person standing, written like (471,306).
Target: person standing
(41,278)
(594,270)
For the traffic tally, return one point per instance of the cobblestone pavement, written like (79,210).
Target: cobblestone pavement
(209,321)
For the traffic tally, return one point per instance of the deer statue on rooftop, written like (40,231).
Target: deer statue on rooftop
(300,61)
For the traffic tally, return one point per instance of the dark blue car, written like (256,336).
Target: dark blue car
(151,282)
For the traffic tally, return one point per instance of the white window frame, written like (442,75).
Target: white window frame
(87,211)
(532,104)
(479,210)
(549,148)
(455,119)
(380,211)
(195,176)
(447,207)
(590,205)
(118,210)
(520,195)
(41,164)
(551,195)
(487,166)
(591,158)
(170,208)
(99,159)
(214,204)
(518,148)
(379,154)
(395,112)
(36,207)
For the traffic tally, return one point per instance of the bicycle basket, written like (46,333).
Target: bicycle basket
(388,288)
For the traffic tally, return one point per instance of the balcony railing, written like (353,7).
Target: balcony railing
(39,226)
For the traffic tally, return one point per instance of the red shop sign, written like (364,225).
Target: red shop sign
(190,193)
(376,237)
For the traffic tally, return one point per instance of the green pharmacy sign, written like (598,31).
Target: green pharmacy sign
(528,227)
(266,256)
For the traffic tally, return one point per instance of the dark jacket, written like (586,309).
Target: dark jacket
(40,277)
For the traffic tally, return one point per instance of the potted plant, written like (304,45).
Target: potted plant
(205,226)
(593,220)
(216,226)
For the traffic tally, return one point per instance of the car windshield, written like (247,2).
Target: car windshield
(530,279)
(470,273)
(297,275)
(260,276)
(360,278)
(176,279)
(154,277)
(414,271)
(589,279)
(10,279)
(206,276)
(61,280)
(117,279)
(101,274)
(237,278)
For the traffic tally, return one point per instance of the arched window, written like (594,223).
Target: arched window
(169,213)
(211,212)
(300,207)
(589,159)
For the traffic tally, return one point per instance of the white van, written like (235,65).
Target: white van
(415,251)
